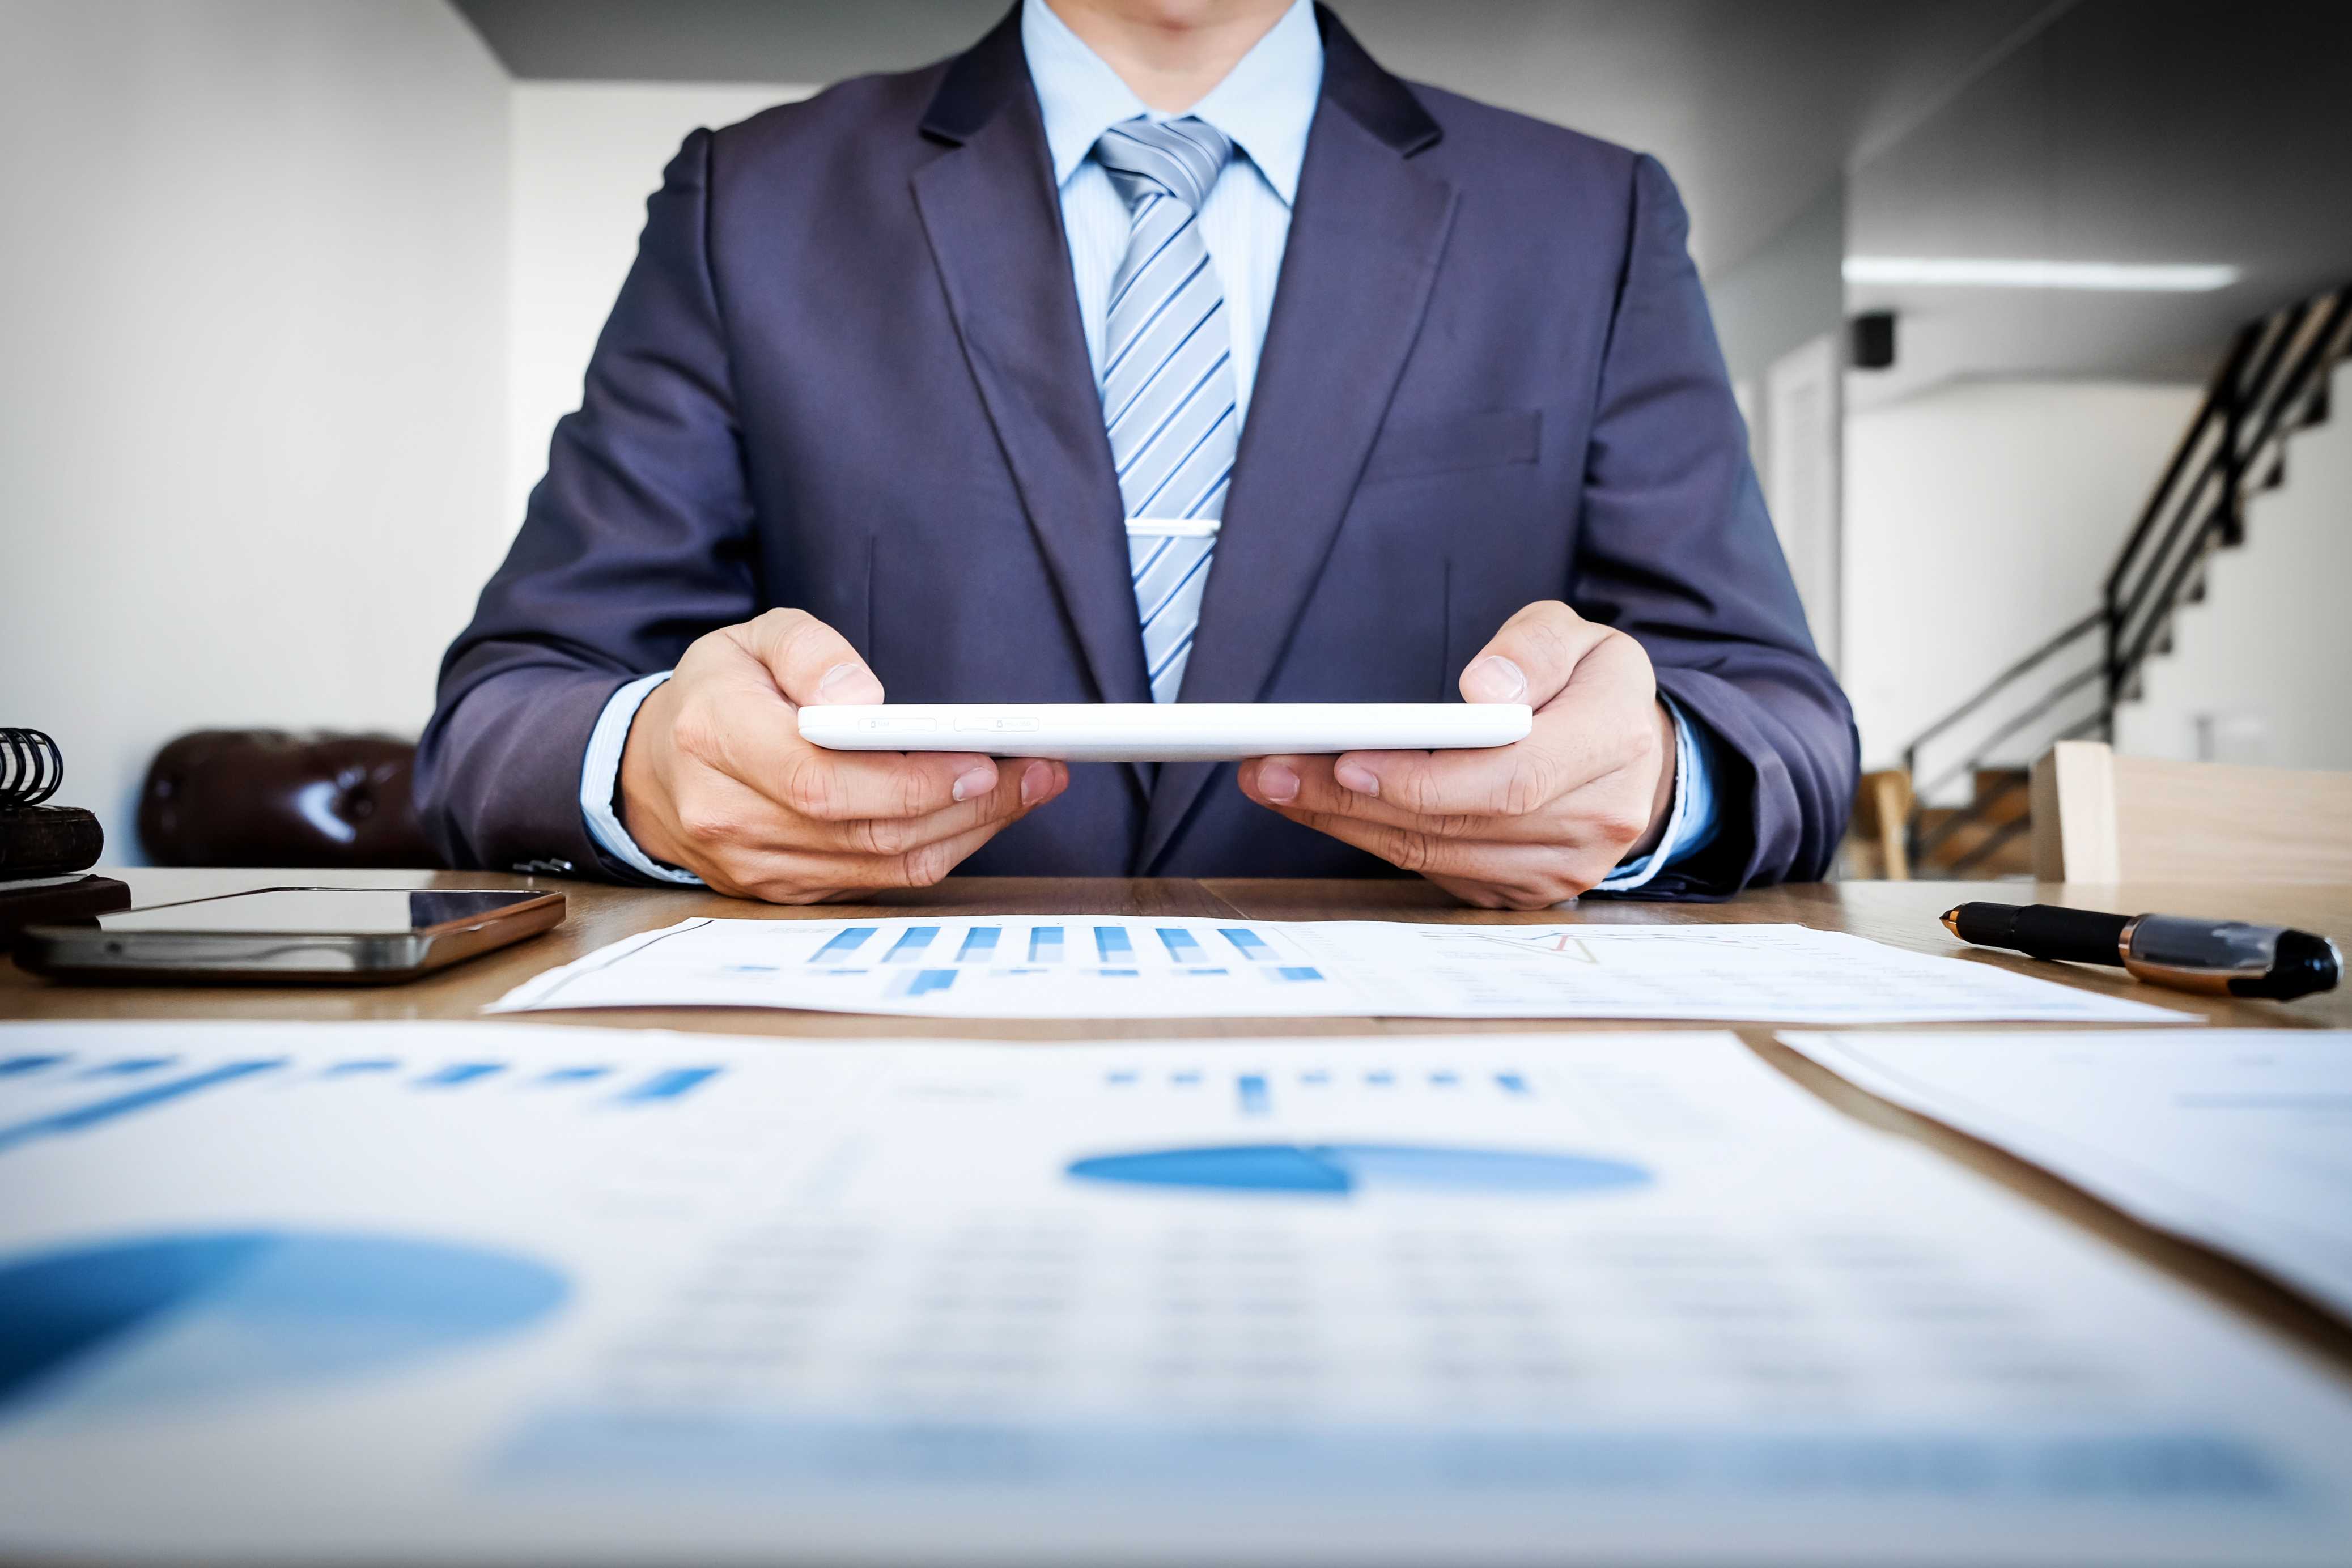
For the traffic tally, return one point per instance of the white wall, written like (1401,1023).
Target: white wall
(1979,520)
(1803,421)
(584,157)
(1790,292)
(252,396)
(2260,672)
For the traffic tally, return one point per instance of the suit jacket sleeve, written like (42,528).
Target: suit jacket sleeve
(637,542)
(1678,552)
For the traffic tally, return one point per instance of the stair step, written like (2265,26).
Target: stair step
(2000,794)
(2013,858)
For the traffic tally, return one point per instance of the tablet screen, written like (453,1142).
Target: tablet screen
(320,911)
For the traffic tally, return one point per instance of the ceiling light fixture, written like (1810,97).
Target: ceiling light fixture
(1964,272)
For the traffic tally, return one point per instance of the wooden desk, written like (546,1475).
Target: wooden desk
(1902,914)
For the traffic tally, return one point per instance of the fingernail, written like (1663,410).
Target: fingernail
(1277,783)
(1495,679)
(1357,777)
(972,782)
(1036,780)
(849,680)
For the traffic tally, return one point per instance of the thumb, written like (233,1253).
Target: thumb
(1531,658)
(813,664)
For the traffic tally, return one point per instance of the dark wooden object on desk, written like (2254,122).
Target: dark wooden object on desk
(1902,914)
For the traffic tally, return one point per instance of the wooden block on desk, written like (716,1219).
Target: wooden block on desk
(2101,817)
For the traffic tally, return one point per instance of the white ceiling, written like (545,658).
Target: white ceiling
(2128,131)
(2178,131)
(1754,105)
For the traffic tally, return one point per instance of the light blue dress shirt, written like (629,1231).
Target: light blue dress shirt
(1265,105)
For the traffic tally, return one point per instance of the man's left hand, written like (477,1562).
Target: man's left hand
(1523,826)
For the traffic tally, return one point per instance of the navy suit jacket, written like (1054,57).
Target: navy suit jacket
(846,374)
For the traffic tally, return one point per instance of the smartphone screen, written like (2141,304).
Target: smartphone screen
(319,911)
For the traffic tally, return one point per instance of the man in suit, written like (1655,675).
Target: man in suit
(1152,350)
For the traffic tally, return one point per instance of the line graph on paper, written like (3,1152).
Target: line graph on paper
(1567,944)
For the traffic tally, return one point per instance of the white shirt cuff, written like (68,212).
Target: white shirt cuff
(600,783)
(1690,823)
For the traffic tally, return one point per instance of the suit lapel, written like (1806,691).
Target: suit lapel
(994,218)
(1365,238)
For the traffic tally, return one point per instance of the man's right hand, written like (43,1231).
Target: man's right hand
(716,777)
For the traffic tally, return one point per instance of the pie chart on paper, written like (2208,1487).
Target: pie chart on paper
(1342,1170)
(187,1318)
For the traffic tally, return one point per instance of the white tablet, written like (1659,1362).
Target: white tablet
(1164,732)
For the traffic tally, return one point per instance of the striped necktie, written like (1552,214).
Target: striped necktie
(1168,379)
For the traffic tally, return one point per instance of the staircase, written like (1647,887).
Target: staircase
(2275,382)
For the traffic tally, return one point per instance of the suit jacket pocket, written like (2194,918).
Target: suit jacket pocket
(1453,443)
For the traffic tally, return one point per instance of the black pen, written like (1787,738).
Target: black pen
(2225,957)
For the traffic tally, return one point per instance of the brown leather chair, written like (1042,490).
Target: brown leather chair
(267,798)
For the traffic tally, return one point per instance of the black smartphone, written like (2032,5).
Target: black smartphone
(350,935)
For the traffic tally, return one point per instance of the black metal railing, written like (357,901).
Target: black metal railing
(2272,383)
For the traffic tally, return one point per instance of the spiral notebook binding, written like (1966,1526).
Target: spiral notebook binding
(31,768)
(45,851)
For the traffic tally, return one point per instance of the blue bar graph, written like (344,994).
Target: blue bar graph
(908,947)
(457,1074)
(18,1066)
(922,982)
(84,1117)
(1382,1080)
(1251,945)
(1113,944)
(1444,1079)
(1298,972)
(1120,974)
(845,943)
(1513,1084)
(1251,1086)
(1045,945)
(1122,1078)
(979,945)
(1183,947)
(675,1083)
(384,1072)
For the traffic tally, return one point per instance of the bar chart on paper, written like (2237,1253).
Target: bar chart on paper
(217,1213)
(512,1293)
(1073,966)
(1078,966)
(65,1089)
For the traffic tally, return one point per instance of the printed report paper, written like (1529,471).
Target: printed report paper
(1103,966)
(2238,1139)
(503,1292)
